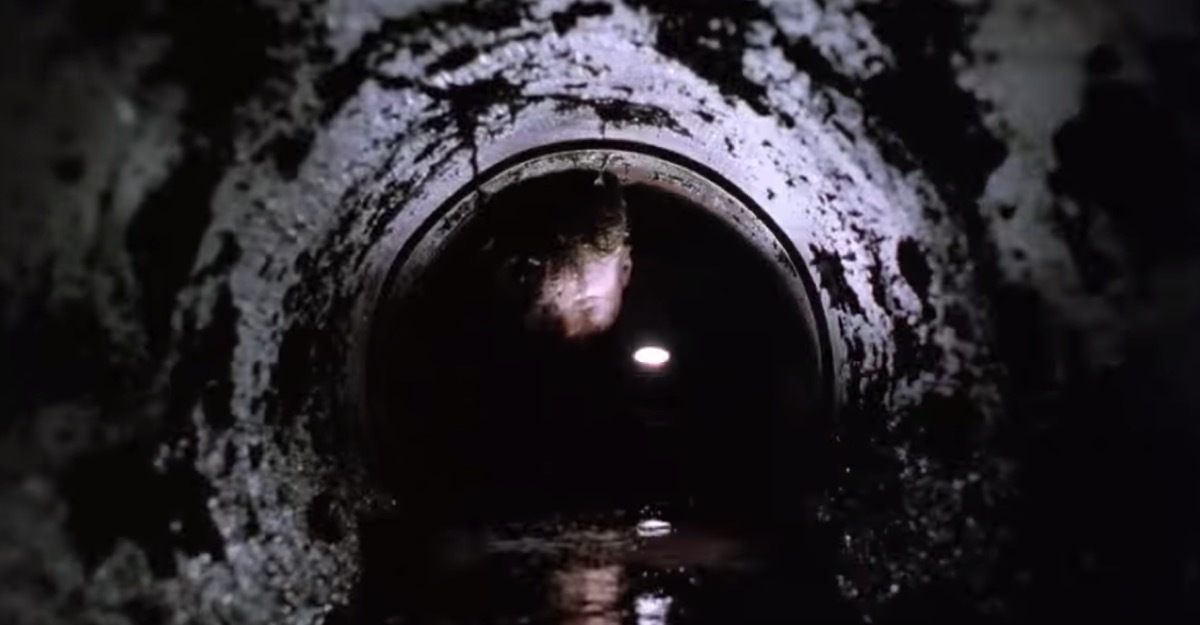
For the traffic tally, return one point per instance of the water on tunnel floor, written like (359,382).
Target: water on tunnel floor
(544,480)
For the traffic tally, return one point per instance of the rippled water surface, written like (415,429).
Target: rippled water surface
(598,569)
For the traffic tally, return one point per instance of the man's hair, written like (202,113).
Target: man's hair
(558,219)
(557,250)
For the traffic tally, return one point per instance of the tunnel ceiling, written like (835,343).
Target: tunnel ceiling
(201,201)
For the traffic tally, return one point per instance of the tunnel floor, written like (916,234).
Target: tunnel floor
(599,569)
(551,481)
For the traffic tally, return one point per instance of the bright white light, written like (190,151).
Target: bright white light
(651,528)
(651,356)
(652,609)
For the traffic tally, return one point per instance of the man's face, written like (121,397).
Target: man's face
(581,297)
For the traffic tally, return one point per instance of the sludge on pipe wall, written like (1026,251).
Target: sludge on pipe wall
(190,252)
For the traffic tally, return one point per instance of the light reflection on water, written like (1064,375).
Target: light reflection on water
(593,595)
(650,528)
(652,609)
(598,573)
(589,595)
(594,585)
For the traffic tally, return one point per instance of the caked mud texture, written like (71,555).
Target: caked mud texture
(890,261)
(196,194)
(298,237)
(431,230)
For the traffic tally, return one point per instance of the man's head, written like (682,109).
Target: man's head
(561,244)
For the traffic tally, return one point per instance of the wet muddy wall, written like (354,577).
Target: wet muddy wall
(994,197)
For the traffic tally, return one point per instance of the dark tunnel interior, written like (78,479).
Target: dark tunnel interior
(599,312)
(491,425)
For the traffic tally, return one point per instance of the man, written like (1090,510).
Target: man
(561,248)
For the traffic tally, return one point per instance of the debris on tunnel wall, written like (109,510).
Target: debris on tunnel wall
(201,201)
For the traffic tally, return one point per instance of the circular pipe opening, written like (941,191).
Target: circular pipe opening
(716,338)
(679,436)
